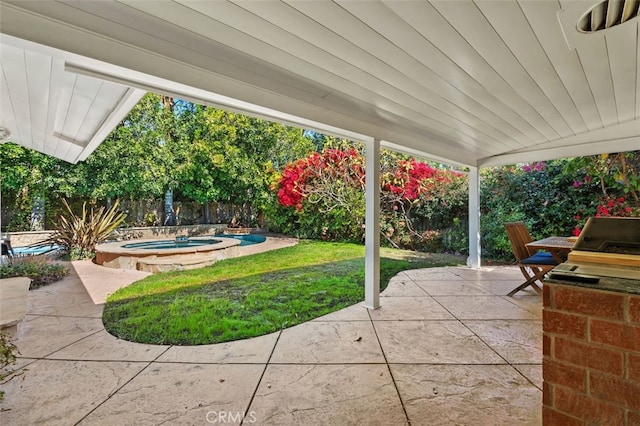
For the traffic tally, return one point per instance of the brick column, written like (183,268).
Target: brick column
(591,363)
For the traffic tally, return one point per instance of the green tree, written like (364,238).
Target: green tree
(616,174)
(26,175)
(135,161)
(228,156)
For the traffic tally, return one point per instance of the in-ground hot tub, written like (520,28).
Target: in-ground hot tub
(166,255)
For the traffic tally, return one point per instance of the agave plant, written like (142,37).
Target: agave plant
(80,234)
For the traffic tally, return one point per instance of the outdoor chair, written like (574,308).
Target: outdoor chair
(7,251)
(533,264)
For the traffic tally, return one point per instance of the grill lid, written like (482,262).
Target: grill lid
(608,247)
(619,235)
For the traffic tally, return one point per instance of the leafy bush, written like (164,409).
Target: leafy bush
(8,353)
(80,234)
(456,238)
(322,196)
(556,197)
(536,194)
(40,269)
(425,208)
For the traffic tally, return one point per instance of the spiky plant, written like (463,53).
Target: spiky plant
(80,234)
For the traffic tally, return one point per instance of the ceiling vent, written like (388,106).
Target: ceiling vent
(608,14)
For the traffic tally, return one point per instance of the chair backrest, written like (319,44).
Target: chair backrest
(518,236)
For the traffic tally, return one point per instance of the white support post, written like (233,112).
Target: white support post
(372,226)
(473,261)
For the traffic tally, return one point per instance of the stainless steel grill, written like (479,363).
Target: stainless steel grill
(608,247)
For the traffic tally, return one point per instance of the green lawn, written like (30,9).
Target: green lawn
(251,296)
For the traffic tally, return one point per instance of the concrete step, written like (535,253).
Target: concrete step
(13,302)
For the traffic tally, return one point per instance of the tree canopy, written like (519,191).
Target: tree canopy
(204,154)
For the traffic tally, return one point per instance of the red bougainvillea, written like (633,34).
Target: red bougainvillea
(330,164)
(607,207)
(413,178)
(613,207)
(327,191)
(406,181)
(291,184)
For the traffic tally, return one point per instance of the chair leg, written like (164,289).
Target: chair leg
(531,281)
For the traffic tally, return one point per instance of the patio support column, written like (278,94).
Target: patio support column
(473,261)
(372,226)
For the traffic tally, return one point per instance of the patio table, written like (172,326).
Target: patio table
(559,247)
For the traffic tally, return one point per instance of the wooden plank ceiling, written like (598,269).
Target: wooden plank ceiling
(471,82)
(52,111)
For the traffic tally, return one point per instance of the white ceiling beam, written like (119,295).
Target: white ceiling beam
(619,138)
(579,150)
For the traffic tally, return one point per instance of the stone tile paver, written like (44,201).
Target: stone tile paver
(490,273)
(94,279)
(403,288)
(439,331)
(62,392)
(323,342)
(102,346)
(467,395)
(533,372)
(248,351)
(63,304)
(355,312)
(529,301)
(410,308)
(517,341)
(434,342)
(503,287)
(180,394)
(327,395)
(431,274)
(451,288)
(38,336)
(483,307)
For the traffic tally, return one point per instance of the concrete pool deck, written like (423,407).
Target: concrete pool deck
(446,347)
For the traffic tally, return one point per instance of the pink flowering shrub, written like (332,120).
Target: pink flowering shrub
(608,207)
(424,207)
(556,197)
(324,195)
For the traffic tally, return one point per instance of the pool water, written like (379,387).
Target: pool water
(247,240)
(32,251)
(169,244)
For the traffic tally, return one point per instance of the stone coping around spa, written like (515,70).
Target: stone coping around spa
(119,247)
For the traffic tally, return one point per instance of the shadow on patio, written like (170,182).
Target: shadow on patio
(446,347)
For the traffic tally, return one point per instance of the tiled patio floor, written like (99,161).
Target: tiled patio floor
(446,347)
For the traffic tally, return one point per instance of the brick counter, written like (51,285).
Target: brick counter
(591,362)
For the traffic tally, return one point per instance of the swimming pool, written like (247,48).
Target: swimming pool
(33,251)
(177,254)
